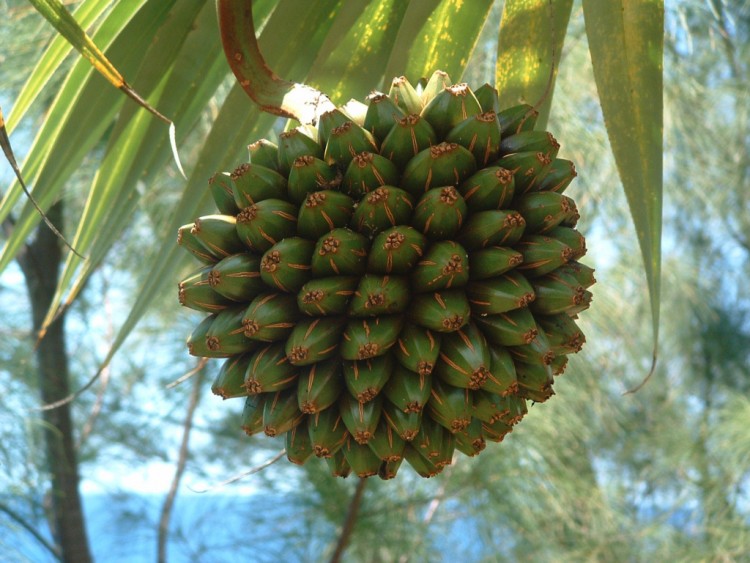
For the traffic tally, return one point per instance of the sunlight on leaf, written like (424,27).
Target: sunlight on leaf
(626,40)
(531,32)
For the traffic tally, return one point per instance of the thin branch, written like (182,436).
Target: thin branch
(349,520)
(189,374)
(256,469)
(7,149)
(31,529)
(166,510)
(99,403)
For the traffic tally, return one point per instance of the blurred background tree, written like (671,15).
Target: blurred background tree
(592,474)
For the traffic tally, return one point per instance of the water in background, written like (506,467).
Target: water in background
(208,529)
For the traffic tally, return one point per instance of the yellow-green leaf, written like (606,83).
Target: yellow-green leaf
(626,39)
(437,36)
(531,32)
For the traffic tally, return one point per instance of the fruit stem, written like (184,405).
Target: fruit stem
(349,520)
(273,94)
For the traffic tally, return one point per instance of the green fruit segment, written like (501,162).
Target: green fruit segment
(237,277)
(345,142)
(379,295)
(270,317)
(280,413)
(441,165)
(498,295)
(190,242)
(528,168)
(464,358)
(534,381)
(368,338)
(326,296)
(226,335)
(229,382)
(310,174)
(572,238)
(493,261)
(196,342)
(408,391)
(294,144)
(556,294)
(383,208)
(264,153)
(218,235)
(382,114)
(445,266)
(320,386)
(361,419)
(490,188)
(516,119)
(404,96)
(252,414)
(417,349)
(439,213)
(286,265)
(314,340)
(220,186)
(327,432)
(434,443)
(443,311)
(563,333)
(263,224)
(480,134)
(195,292)
(470,441)
(252,183)
(363,461)
(512,328)
(502,377)
(559,176)
(386,443)
(396,250)
(298,444)
(269,370)
(449,107)
(419,463)
(496,431)
(365,378)
(544,211)
(338,465)
(492,228)
(450,406)
(322,212)
(328,122)
(368,171)
(341,252)
(489,407)
(542,255)
(438,81)
(409,136)
(405,424)
(528,141)
(488,98)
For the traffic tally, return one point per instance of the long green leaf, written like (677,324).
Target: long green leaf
(79,116)
(626,40)
(357,49)
(437,36)
(51,60)
(531,32)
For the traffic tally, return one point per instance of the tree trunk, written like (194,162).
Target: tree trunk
(40,263)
